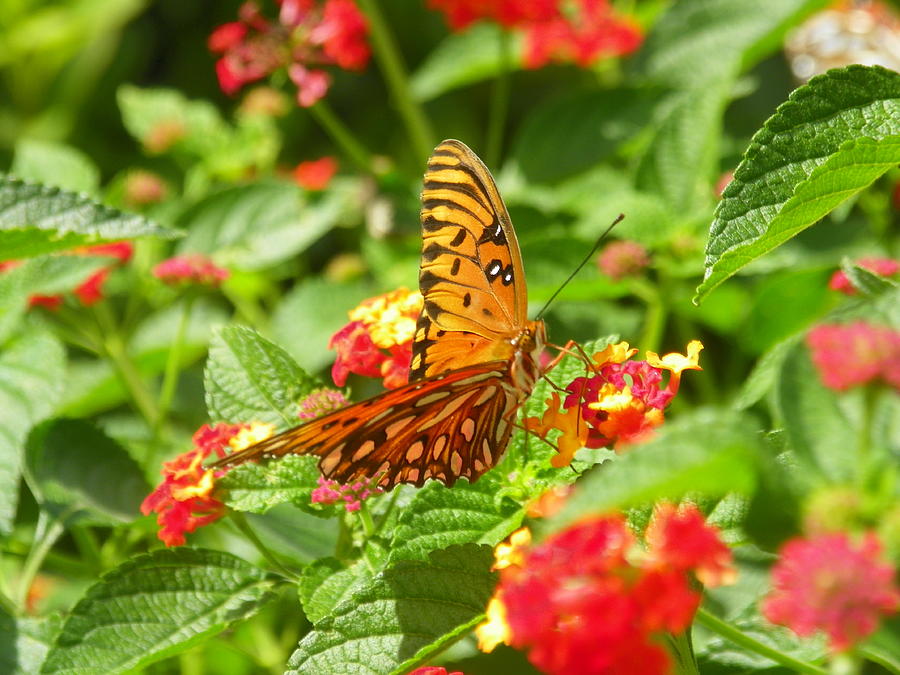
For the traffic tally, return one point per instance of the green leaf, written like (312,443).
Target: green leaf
(463,58)
(468,513)
(829,140)
(259,487)
(403,616)
(819,430)
(36,219)
(328,582)
(31,377)
(249,379)
(310,313)
(712,452)
(56,164)
(255,226)
(765,373)
(700,41)
(24,642)
(75,470)
(865,281)
(153,606)
(569,134)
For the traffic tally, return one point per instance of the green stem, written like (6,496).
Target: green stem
(341,135)
(886,661)
(655,318)
(173,362)
(729,632)
(114,348)
(241,522)
(499,101)
(864,439)
(248,309)
(391,64)
(365,517)
(48,531)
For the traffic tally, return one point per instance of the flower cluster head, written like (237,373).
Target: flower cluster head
(885,267)
(143,188)
(190,269)
(622,259)
(89,291)
(308,35)
(855,354)
(581,32)
(378,340)
(320,402)
(183,501)
(352,496)
(833,584)
(315,174)
(433,670)
(619,404)
(591,600)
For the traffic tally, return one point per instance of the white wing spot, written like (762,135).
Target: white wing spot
(494,270)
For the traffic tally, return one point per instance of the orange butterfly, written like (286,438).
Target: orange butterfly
(474,351)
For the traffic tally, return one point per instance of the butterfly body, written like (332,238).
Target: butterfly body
(475,353)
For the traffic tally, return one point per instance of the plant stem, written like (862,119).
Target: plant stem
(48,531)
(499,101)
(241,522)
(391,64)
(365,518)
(729,632)
(341,135)
(864,438)
(655,318)
(173,362)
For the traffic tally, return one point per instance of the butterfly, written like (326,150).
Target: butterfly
(474,353)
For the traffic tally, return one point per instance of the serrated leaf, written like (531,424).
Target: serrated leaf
(326,583)
(77,470)
(712,452)
(56,164)
(310,313)
(293,533)
(438,517)
(463,58)
(24,642)
(704,40)
(255,226)
(865,281)
(36,219)
(249,378)
(833,137)
(569,134)
(31,378)
(259,487)
(405,614)
(820,432)
(153,606)
(764,374)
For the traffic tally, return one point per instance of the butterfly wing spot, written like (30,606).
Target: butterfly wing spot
(364,450)
(502,425)
(459,238)
(493,269)
(454,269)
(349,421)
(328,425)
(412,476)
(415,451)
(448,410)
(467,429)
(330,461)
(479,467)
(467,299)
(486,452)
(439,444)
(456,461)
(429,399)
(486,395)
(395,427)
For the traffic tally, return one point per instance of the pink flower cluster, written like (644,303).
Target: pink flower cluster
(308,35)
(191,268)
(331,492)
(855,354)
(321,402)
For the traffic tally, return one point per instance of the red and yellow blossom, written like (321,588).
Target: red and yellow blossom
(621,403)
(590,600)
(833,584)
(378,340)
(183,501)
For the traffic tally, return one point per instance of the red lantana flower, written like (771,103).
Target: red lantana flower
(885,267)
(832,584)
(190,269)
(352,496)
(588,600)
(851,355)
(308,35)
(183,501)
(623,259)
(316,174)
(620,404)
(433,670)
(378,340)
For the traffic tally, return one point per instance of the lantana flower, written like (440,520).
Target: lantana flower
(320,402)
(582,32)
(855,354)
(622,259)
(307,36)
(621,403)
(885,267)
(351,496)
(433,670)
(833,584)
(190,269)
(590,600)
(378,340)
(315,174)
(183,501)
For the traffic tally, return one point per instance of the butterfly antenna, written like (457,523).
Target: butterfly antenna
(584,262)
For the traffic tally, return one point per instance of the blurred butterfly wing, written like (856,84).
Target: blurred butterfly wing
(471,274)
(444,427)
